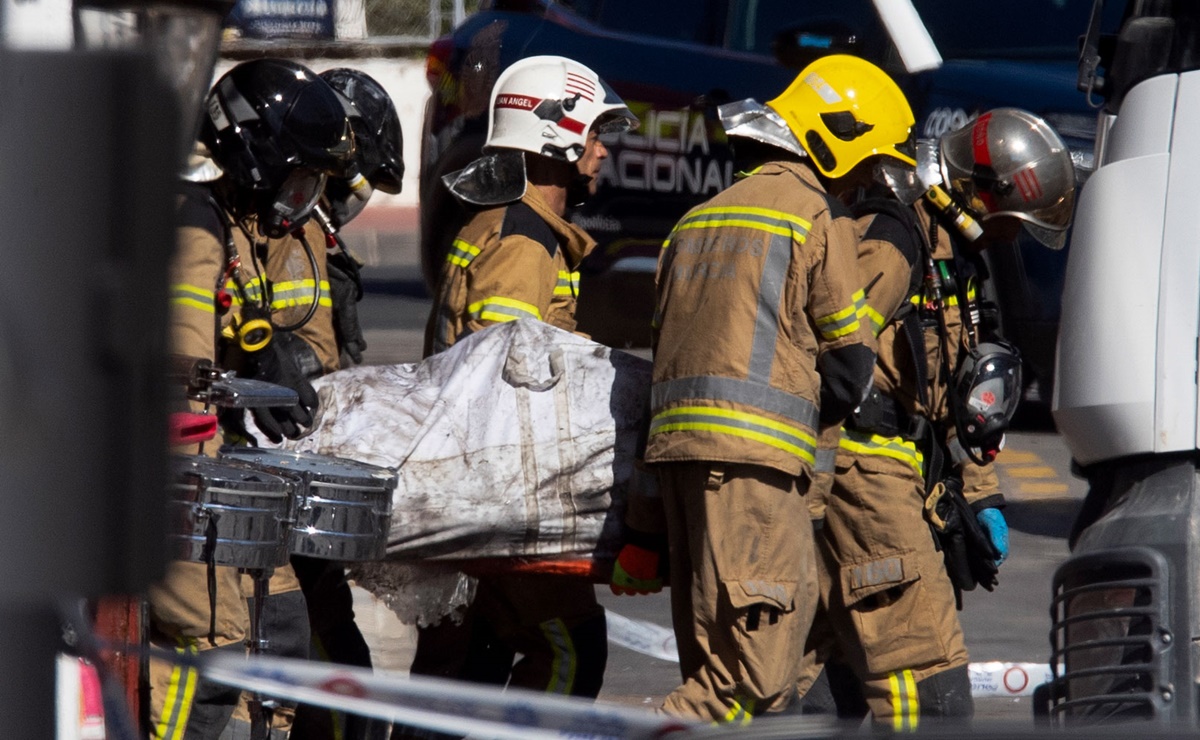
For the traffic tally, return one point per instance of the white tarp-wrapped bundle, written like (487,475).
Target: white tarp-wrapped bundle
(516,442)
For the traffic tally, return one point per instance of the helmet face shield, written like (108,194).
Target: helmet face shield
(900,178)
(346,198)
(490,180)
(378,139)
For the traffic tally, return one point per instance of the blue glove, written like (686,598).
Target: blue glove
(992,521)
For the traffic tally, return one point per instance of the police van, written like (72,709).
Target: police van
(675,61)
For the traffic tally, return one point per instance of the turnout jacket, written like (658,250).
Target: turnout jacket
(294,288)
(756,309)
(179,604)
(515,261)
(889,253)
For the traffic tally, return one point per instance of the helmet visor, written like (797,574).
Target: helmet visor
(346,198)
(900,178)
(616,118)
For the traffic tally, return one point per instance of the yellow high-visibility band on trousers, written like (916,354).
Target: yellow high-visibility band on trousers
(566,661)
(906,707)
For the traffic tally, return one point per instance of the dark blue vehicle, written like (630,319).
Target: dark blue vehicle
(675,61)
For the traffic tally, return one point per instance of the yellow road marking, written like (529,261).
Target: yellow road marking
(1043,488)
(1043,471)
(1017,457)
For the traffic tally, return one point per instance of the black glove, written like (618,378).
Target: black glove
(971,558)
(345,287)
(288,361)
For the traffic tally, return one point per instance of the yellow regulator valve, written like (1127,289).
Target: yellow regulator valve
(966,225)
(254,334)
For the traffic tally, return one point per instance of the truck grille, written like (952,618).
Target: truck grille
(1111,640)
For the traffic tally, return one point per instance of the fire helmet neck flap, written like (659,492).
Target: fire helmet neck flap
(543,105)
(1009,162)
(842,110)
(277,130)
(379,145)
(750,119)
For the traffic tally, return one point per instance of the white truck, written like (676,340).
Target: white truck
(1126,608)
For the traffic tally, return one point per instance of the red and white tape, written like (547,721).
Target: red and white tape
(987,679)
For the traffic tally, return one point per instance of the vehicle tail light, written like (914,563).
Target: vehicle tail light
(438,61)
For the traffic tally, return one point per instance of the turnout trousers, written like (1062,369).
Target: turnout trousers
(743,586)
(889,604)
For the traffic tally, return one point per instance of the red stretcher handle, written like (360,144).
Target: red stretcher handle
(188,428)
(592,570)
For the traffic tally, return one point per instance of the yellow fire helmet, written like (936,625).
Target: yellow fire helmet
(844,109)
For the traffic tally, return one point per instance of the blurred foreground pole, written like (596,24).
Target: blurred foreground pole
(88,153)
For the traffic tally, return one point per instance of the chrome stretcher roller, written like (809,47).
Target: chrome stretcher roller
(225,512)
(343,507)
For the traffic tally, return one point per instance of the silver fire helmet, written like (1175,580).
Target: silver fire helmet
(1009,162)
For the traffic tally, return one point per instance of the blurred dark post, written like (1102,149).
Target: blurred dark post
(91,140)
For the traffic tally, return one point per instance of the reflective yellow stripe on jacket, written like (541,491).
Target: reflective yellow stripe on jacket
(461,253)
(738,714)
(254,291)
(762,219)
(737,424)
(192,296)
(566,660)
(897,448)
(568,283)
(499,308)
(299,293)
(842,322)
(866,312)
(792,437)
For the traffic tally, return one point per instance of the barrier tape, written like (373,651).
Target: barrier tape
(465,709)
(435,704)
(990,679)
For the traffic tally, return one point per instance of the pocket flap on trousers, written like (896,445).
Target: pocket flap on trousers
(746,593)
(861,580)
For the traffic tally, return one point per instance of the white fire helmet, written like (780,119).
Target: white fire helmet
(547,105)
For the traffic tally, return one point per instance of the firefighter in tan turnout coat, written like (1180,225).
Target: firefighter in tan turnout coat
(891,603)
(517,258)
(758,340)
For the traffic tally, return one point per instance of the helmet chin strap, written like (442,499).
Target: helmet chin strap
(579,190)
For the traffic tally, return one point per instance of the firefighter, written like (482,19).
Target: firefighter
(518,257)
(272,132)
(756,340)
(917,452)
(378,165)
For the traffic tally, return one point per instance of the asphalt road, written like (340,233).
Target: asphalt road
(1010,624)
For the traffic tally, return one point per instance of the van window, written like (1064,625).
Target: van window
(753,25)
